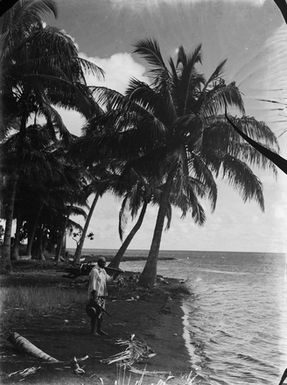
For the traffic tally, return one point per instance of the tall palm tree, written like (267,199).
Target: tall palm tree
(40,67)
(203,145)
(176,126)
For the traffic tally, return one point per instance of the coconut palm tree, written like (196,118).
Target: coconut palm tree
(138,192)
(175,126)
(203,146)
(40,67)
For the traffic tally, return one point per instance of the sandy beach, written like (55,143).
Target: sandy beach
(155,317)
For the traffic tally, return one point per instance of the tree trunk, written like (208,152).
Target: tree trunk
(39,245)
(15,249)
(80,245)
(275,158)
(32,234)
(61,239)
(148,276)
(6,266)
(118,257)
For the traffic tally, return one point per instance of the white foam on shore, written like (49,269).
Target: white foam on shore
(186,334)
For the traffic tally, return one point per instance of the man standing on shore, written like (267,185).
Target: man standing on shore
(97,293)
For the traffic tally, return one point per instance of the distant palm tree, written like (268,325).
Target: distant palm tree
(102,178)
(46,182)
(176,126)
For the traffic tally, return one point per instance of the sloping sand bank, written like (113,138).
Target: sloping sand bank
(155,317)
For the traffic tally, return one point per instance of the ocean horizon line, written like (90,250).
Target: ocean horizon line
(179,250)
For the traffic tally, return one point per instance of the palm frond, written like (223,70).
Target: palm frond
(214,100)
(76,210)
(217,73)
(240,176)
(74,225)
(168,215)
(199,168)
(149,49)
(123,216)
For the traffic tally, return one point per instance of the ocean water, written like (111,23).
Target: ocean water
(236,319)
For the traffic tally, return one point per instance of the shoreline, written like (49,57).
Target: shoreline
(186,334)
(157,318)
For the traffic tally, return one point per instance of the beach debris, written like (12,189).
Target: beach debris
(76,367)
(25,372)
(152,373)
(25,346)
(135,351)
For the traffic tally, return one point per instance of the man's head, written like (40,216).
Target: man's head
(102,262)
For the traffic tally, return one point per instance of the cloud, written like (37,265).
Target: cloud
(118,68)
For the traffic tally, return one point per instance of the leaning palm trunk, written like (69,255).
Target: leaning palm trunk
(78,252)
(118,257)
(148,276)
(275,158)
(6,266)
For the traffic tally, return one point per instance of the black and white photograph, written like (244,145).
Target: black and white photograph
(143,192)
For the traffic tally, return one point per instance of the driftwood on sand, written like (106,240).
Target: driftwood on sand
(25,346)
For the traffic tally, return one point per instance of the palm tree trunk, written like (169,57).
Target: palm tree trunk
(61,239)
(148,275)
(275,158)
(15,250)
(39,249)
(80,245)
(6,265)
(33,233)
(118,257)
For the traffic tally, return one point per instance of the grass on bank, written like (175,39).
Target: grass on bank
(39,299)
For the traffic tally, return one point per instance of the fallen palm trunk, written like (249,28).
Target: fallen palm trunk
(25,346)
(22,344)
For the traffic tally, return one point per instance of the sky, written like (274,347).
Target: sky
(252,36)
